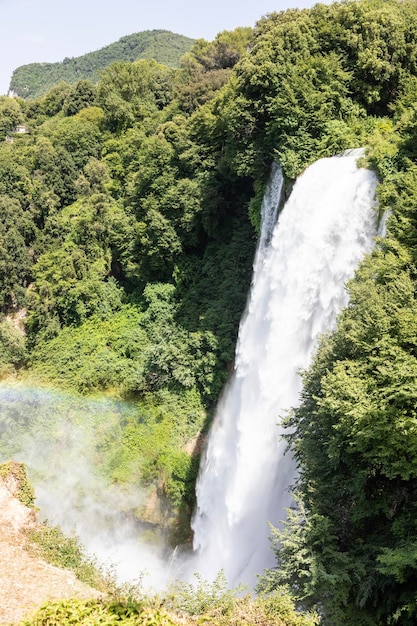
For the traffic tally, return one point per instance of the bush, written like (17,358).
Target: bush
(95,612)
(14,476)
(215,604)
(49,543)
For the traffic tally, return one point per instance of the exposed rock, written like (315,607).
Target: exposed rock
(26,582)
(196,446)
(17,318)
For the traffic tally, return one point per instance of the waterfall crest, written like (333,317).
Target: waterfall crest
(298,288)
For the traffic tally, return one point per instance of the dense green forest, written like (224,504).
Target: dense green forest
(127,231)
(127,260)
(36,79)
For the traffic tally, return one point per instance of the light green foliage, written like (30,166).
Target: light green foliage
(224,52)
(100,354)
(99,612)
(48,105)
(204,596)
(215,603)
(50,544)
(148,443)
(127,350)
(69,289)
(279,608)
(72,277)
(156,230)
(15,179)
(79,135)
(111,448)
(126,232)
(133,352)
(308,68)
(15,475)
(175,356)
(11,115)
(54,175)
(129,92)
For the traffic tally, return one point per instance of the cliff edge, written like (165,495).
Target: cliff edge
(26,582)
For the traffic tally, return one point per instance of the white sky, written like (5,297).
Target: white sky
(49,30)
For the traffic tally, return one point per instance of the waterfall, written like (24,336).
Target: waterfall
(298,288)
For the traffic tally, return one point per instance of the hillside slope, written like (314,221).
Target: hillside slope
(26,582)
(36,79)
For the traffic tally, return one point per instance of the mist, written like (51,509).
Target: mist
(68,445)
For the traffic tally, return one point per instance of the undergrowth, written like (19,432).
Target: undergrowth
(203,597)
(273,610)
(98,612)
(15,478)
(218,605)
(49,543)
(202,604)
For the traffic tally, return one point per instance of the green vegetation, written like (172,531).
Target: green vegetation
(105,612)
(50,544)
(127,232)
(130,269)
(131,604)
(123,451)
(12,348)
(14,476)
(215,603)
(354,435)
(206,604)
(34,80)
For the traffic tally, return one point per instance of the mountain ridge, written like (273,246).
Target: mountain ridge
(35,79)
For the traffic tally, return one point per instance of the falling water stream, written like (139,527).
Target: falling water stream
(301,267)
(298,288)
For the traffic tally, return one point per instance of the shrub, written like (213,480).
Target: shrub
(15,478)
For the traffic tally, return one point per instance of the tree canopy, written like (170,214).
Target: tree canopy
(129,218)
(36,79)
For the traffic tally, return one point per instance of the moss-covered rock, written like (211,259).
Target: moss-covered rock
(14,477)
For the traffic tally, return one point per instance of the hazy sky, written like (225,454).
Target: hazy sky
(49,30)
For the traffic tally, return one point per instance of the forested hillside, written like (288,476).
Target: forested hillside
(36,79)
(126,251)
(128,223)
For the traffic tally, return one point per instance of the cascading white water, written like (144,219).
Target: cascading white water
(298,288)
